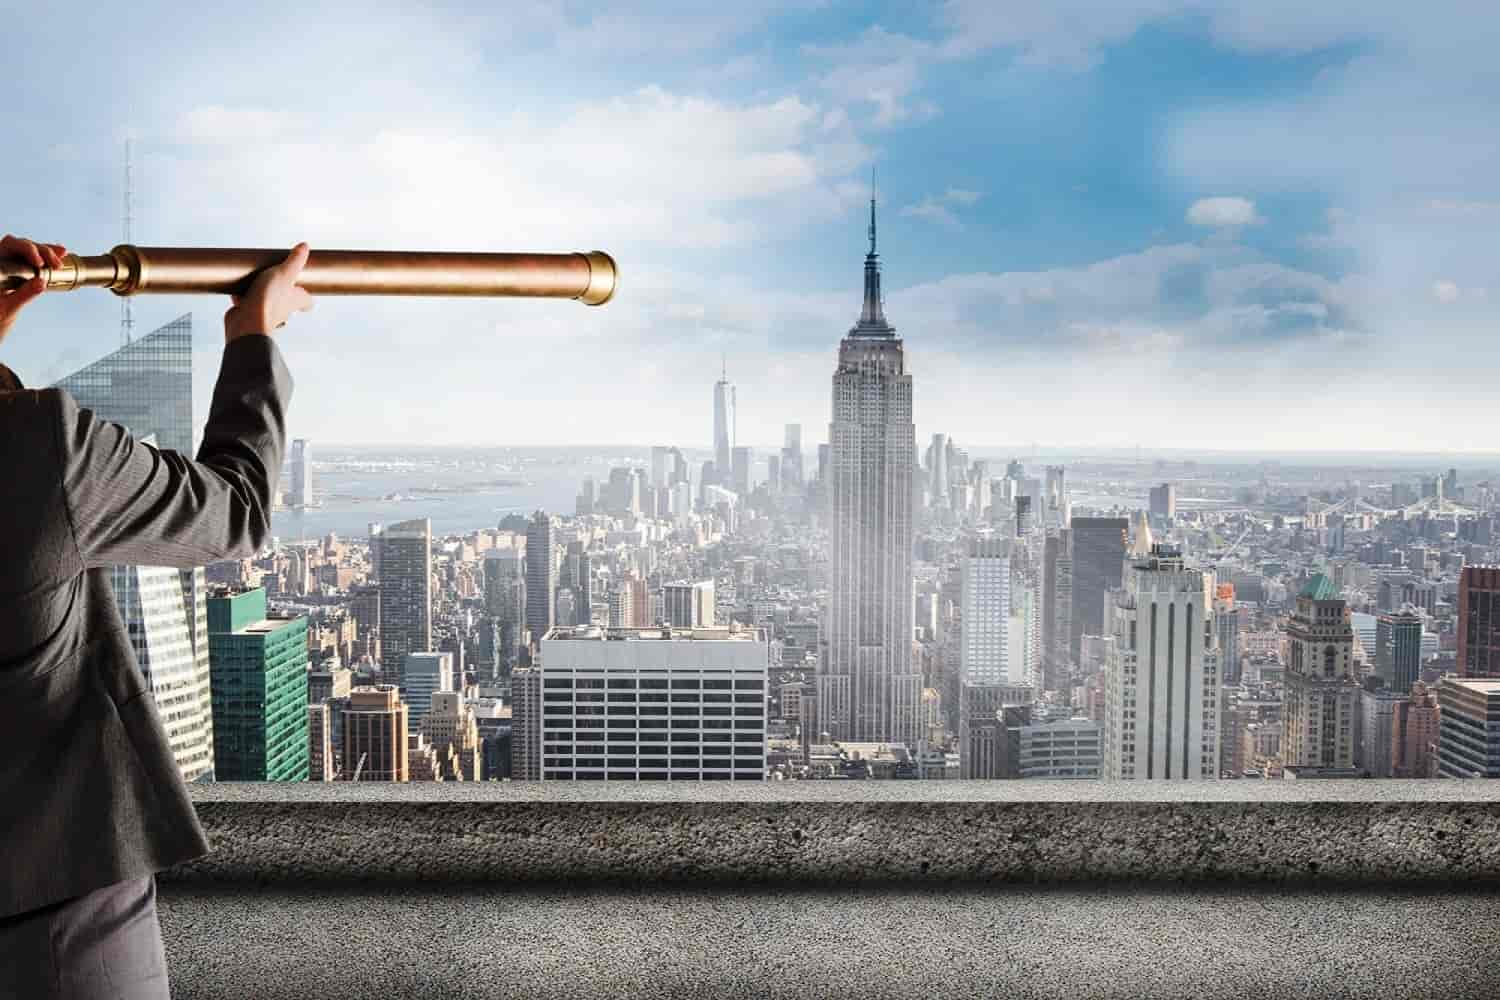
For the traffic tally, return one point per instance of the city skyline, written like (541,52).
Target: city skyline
(1111,211)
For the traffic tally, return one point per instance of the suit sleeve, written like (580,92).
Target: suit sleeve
(132,503)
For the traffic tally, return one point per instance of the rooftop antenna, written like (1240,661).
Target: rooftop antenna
(127,316)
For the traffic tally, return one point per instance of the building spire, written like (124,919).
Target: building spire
(872,321)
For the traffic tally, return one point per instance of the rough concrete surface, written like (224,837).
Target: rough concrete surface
(835,833)
(1079,942)
(1138,792)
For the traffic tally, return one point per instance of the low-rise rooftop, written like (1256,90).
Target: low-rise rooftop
(662,633)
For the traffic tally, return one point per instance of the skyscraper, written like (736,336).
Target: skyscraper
(526,724)
(1415,734)
(1161,685)
(375,528)
(505,600)
(1321,694)
(577,573)
(1228,624)
(868,688)
(425,674)
(375,735)
(661,466)
(937,470)
(301,494)
(1479,621)
(723,424)
(405,593)
(259,690)
(740,482)
(792,475)
(1056,492)
(450,723)
(1468,740)
(320,742)
(1098,565)
(541,576)
(1398,649)
(147,386)
(984,644)
(1164,501)
(689,605)
(1057,606)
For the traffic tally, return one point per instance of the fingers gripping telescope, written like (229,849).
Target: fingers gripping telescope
(131,270)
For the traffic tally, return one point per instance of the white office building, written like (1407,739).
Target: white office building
(426,674)
(1162,681)
(652,704)
(985,647)
(1065,749)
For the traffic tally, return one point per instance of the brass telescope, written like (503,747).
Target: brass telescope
(132,270)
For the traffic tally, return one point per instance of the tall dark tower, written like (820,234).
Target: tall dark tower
(867,686)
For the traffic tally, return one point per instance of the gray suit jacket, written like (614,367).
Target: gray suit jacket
(89,792)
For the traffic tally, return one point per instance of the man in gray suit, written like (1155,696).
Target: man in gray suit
(91,801)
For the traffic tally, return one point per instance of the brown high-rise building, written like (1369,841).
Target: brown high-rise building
(375,729)
(1321,693)
(1414,734)
(1479,622)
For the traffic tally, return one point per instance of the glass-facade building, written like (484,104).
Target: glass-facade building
(405,594)
(147,386)
(259,690)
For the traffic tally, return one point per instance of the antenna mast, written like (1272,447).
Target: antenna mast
(127,316)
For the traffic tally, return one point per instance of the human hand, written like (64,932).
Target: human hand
(38,255)
(271,299)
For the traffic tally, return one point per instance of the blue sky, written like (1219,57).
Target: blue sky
(1177,224)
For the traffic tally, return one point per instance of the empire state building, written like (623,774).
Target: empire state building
(867,688)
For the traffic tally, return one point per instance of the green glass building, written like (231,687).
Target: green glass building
(259,685)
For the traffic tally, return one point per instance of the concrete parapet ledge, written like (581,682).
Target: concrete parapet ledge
(845,833)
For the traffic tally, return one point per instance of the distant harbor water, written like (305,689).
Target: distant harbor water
(459,490)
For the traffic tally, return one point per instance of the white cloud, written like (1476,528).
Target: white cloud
(878,68)
(937,207)
(1223,212)
(1061,33)
(217,124)
(1210,305)
(1463,209)
(931,208)
(1445,292)
(651,166)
